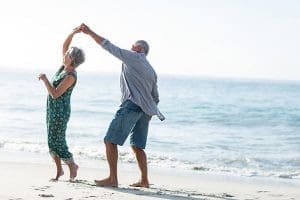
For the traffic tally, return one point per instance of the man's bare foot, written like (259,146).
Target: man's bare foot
(144,184)
(73,172)
(106,183)
(58,174)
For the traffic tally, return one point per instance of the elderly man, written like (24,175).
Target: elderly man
(138,84)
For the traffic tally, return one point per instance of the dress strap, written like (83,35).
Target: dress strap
(73,73)
(59,70)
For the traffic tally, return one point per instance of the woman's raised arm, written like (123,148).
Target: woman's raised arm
(68,40)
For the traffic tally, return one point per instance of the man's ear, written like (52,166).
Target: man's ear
(140,48)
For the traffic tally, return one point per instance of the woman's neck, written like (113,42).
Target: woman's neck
(69,68)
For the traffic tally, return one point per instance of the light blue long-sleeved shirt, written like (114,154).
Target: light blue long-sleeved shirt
(138,79)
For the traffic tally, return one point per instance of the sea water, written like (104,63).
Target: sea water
(233,126)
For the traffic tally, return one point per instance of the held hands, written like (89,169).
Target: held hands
(76,30)
(84,28)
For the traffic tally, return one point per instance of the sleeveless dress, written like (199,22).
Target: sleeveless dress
(58,114)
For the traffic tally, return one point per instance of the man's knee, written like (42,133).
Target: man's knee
(109,144)
(136,149)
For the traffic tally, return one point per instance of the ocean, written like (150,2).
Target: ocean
(232,126)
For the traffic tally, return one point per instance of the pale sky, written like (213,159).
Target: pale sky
(222,38)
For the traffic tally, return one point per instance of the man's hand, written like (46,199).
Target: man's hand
(84,28)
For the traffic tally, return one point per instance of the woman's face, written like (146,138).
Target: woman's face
(67,59)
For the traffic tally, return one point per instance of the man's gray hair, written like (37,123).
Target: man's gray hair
(144,45)
(77,55)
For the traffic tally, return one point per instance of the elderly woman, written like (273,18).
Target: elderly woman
(59,108)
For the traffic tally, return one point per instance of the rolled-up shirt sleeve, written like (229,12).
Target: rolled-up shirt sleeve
(122,54)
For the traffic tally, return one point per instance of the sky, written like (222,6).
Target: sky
(215,38)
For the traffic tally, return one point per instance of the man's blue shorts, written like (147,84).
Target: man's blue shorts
(129,119)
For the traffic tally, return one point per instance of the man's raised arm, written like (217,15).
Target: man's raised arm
(84,28)
(122,54)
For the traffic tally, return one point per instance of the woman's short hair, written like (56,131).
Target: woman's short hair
(144,45)
(77,55)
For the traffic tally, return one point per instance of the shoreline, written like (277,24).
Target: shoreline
(21,180)
(44,158)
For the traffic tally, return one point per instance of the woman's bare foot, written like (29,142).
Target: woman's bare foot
(73,171)
(144,184)
(58,174)
(106,183)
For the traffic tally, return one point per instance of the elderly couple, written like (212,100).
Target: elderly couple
(138,84)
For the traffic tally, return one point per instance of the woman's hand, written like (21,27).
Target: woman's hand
(56,92)
(42,77)
(76,30)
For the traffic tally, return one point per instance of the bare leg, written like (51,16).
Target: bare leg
(59,169)
(73,167)
(112,159)
(142,162)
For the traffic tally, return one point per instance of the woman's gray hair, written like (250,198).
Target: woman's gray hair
(144,45)
(77,55)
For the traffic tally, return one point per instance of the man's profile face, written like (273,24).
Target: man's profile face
(136,47)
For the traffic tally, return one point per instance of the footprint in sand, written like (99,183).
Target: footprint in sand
(41,188)
(46,195)
(262,191)
(225,195)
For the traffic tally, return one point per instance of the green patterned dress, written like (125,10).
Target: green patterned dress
(58,114)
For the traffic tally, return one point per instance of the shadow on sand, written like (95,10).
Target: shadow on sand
(164,193)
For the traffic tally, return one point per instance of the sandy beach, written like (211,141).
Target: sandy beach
(31,181)
(77,77)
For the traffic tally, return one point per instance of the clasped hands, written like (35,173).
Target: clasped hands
(82,28)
